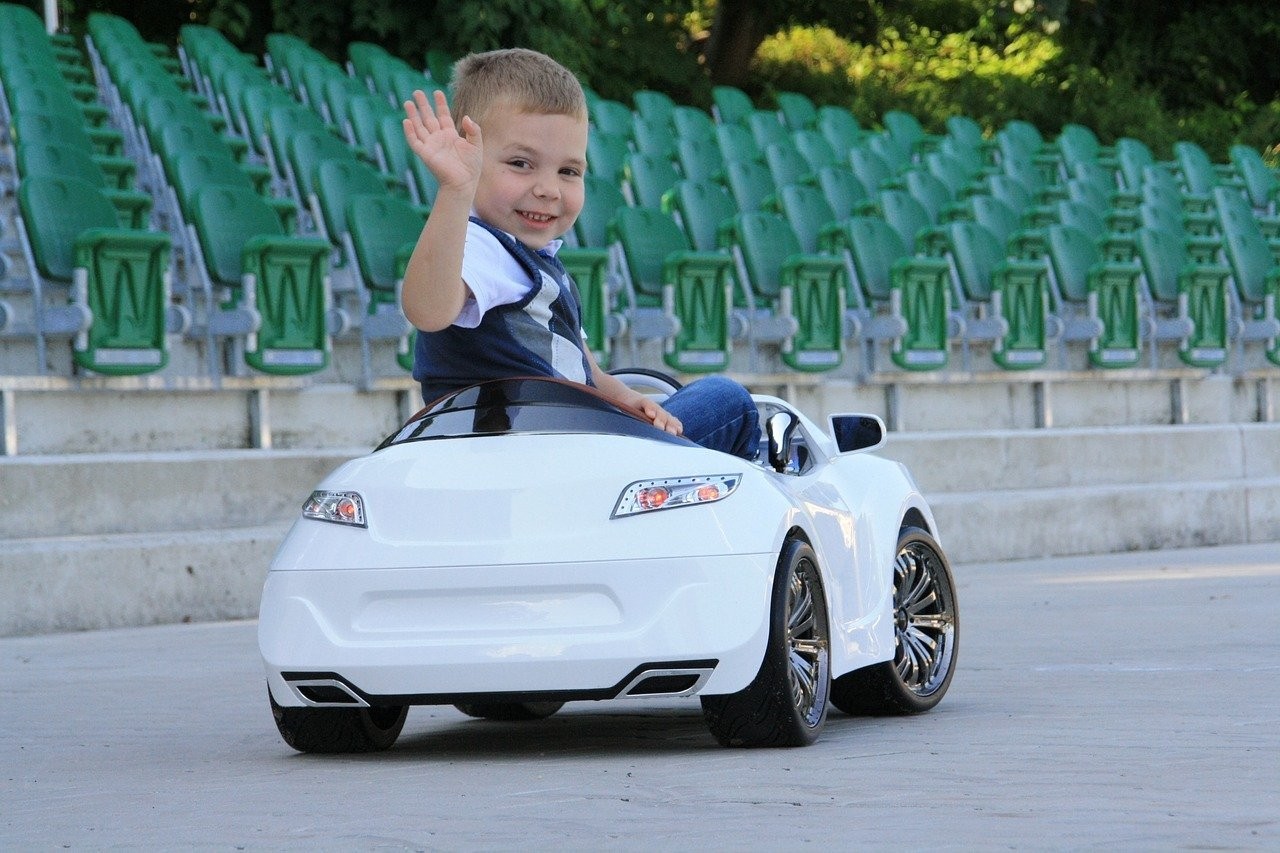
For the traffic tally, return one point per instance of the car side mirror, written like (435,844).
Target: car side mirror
(780,429)
(857,432)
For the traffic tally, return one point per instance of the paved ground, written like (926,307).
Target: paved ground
(1129,701)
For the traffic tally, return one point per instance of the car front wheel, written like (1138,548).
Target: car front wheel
(339,729)
(786,703)
(926,632)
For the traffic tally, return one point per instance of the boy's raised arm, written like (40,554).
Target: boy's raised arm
(434,292)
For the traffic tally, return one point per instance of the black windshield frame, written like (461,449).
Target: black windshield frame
(524,406)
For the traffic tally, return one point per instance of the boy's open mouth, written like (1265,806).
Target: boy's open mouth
(538,218)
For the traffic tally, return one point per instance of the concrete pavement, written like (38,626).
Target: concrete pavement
(1127,701)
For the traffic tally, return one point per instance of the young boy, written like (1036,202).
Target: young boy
(483,286)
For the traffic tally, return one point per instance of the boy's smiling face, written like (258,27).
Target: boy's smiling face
(531,182)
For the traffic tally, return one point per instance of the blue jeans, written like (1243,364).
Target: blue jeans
(718,414)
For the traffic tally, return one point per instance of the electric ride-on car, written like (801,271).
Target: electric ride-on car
(523,543)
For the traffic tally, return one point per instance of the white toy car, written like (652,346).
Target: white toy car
(523,544)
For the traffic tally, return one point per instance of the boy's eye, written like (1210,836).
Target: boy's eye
(519,163)
(571,172)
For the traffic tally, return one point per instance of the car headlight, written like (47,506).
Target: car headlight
(337,507)
(673,492)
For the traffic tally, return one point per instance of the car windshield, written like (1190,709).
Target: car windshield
(509,406)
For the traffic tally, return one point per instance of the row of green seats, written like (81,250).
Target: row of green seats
(99,277)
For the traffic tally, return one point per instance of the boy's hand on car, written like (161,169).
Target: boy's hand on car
(659,416)
(453,158)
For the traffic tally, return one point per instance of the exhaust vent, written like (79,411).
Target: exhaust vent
(327,693)
(668,681)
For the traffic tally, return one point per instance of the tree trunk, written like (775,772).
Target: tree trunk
(737,30)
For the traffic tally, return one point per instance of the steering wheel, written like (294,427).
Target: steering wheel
(647,381)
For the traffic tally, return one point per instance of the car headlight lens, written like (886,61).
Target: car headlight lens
(673,492)
(337,507)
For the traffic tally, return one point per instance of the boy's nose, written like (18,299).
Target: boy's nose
(545,188)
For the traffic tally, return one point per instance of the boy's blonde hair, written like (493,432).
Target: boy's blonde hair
(529,81)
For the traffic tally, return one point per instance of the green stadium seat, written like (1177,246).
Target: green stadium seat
(1254,271)
(1132,157)
(1261,182)
(870,169)
(815,149)
(603,198)
(737,144)
(906,215)
(590,271)
(1002,300)
(196,168)
(339,92)
(787,165)
(1191,302)
(905,128)
(809,214)
(307,149)
(381,231)
(894,296)
(117,312)
(653,137)
(612,117)
(797,110)
(607,155)
(843,191)
(699,159)
(363,57)
(338,181)
(53,159)
(33,128)
(967,134)
(364,119)
(1198,173)
(649,177)
(840,128)
(795,299)
(277,286)
(1078,144)
(750,183)
(692,122)
(675,293)
(1098,301)
(404,172)
(704,210)
(767,129)
(730,105)
(285,124)
(654,107)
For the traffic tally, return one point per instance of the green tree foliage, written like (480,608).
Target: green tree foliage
(1159,70)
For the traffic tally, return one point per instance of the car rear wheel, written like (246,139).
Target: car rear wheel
(926,631)
(510,710)
(339,729)
(786,704)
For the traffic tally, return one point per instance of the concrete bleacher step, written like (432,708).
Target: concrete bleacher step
(1013,494)
(76,583)
(105,540)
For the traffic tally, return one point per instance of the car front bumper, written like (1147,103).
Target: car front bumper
(530,631)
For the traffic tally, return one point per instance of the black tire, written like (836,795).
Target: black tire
(926,629)
(642,377)
(510,711)
(309,729)
(786,703)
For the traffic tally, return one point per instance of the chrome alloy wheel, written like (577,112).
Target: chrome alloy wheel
(924,618)
(808,646)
